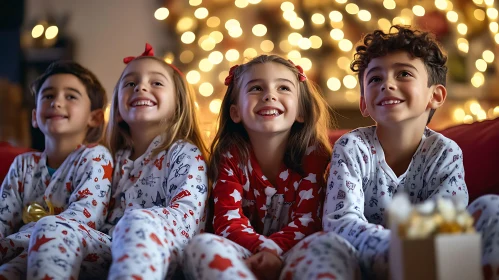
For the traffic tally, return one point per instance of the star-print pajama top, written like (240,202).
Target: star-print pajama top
(175,179)
(79,190)
(361,186)
(252,212)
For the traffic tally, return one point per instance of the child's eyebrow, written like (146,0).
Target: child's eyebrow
(66,88)
(150,73)
(395,65)
(279,79)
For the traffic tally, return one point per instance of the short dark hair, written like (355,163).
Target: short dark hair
(417,43)
(95,90)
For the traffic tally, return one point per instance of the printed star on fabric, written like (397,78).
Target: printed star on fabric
(296,184)
(225,232)
(305,219)
(248,230)
(311,177)
(266,242)
(305,195)
(232,214)
(46,277)
(284,175)
(299,235)
(220,263)
(108,171)
(236,195)
(256,193)
(326,275)
(229,172)
(39,242)
(292,224)
(228,155)
(309,150)
(215,200)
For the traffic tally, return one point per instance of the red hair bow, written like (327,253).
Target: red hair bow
(229,78)
(301,75)
(147,52)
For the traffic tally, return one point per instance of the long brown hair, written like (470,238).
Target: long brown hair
(313,131)
(183,125)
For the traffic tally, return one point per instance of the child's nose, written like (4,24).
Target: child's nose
(140,87)
(269,96)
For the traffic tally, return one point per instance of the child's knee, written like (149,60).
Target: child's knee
(204,243)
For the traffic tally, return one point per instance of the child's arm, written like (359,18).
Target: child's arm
(305,219)
(91,187)
(445,172)
(344,205)
(188,201)
(11,204)
(229,220)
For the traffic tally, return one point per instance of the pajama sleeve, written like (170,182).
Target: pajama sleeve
(305,219)
(189,179)
(344,206)
(11,205)
(445,173)
(91,187)
(229,220)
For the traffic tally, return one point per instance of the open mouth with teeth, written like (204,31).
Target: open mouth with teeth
(142,103)
(390,102)
(56,117)
(269,113)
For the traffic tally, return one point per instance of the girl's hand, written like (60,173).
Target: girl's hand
(266,265)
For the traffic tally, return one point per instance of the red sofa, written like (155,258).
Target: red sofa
(480,145)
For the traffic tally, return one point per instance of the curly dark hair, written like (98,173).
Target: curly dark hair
(95,90)
(417,43)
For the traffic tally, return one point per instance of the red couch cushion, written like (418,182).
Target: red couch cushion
(480,144)
(7,155)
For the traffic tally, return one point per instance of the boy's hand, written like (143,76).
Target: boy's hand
(266,265)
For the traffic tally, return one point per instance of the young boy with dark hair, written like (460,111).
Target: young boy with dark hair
(402,77)
(69,181)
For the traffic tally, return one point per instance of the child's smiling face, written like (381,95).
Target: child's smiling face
(396,90)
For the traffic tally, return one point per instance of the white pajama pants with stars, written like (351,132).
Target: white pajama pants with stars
(320,255)
(146,246)
(14,255)
(56,248)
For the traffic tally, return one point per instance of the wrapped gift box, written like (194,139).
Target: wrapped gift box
(442,257)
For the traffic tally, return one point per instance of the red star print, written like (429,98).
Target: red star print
(108,171)
(155,238)
(136,277)
(39,242)
(97,159)
(305,245)
(48,277)
(326,276)
(36,158)
(220,263)
(199,157)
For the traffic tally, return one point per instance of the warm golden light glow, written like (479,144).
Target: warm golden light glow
(193,77)
(205,89)
(333,84)
(259,30)
(51,32)
(37,31)
(161,13)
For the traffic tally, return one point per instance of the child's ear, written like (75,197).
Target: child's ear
(363,107)
(300,119)
(438,96)
(96,118)
(234,114)
(33,119)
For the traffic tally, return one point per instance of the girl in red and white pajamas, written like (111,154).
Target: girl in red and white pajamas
(160,185)
(268,163)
